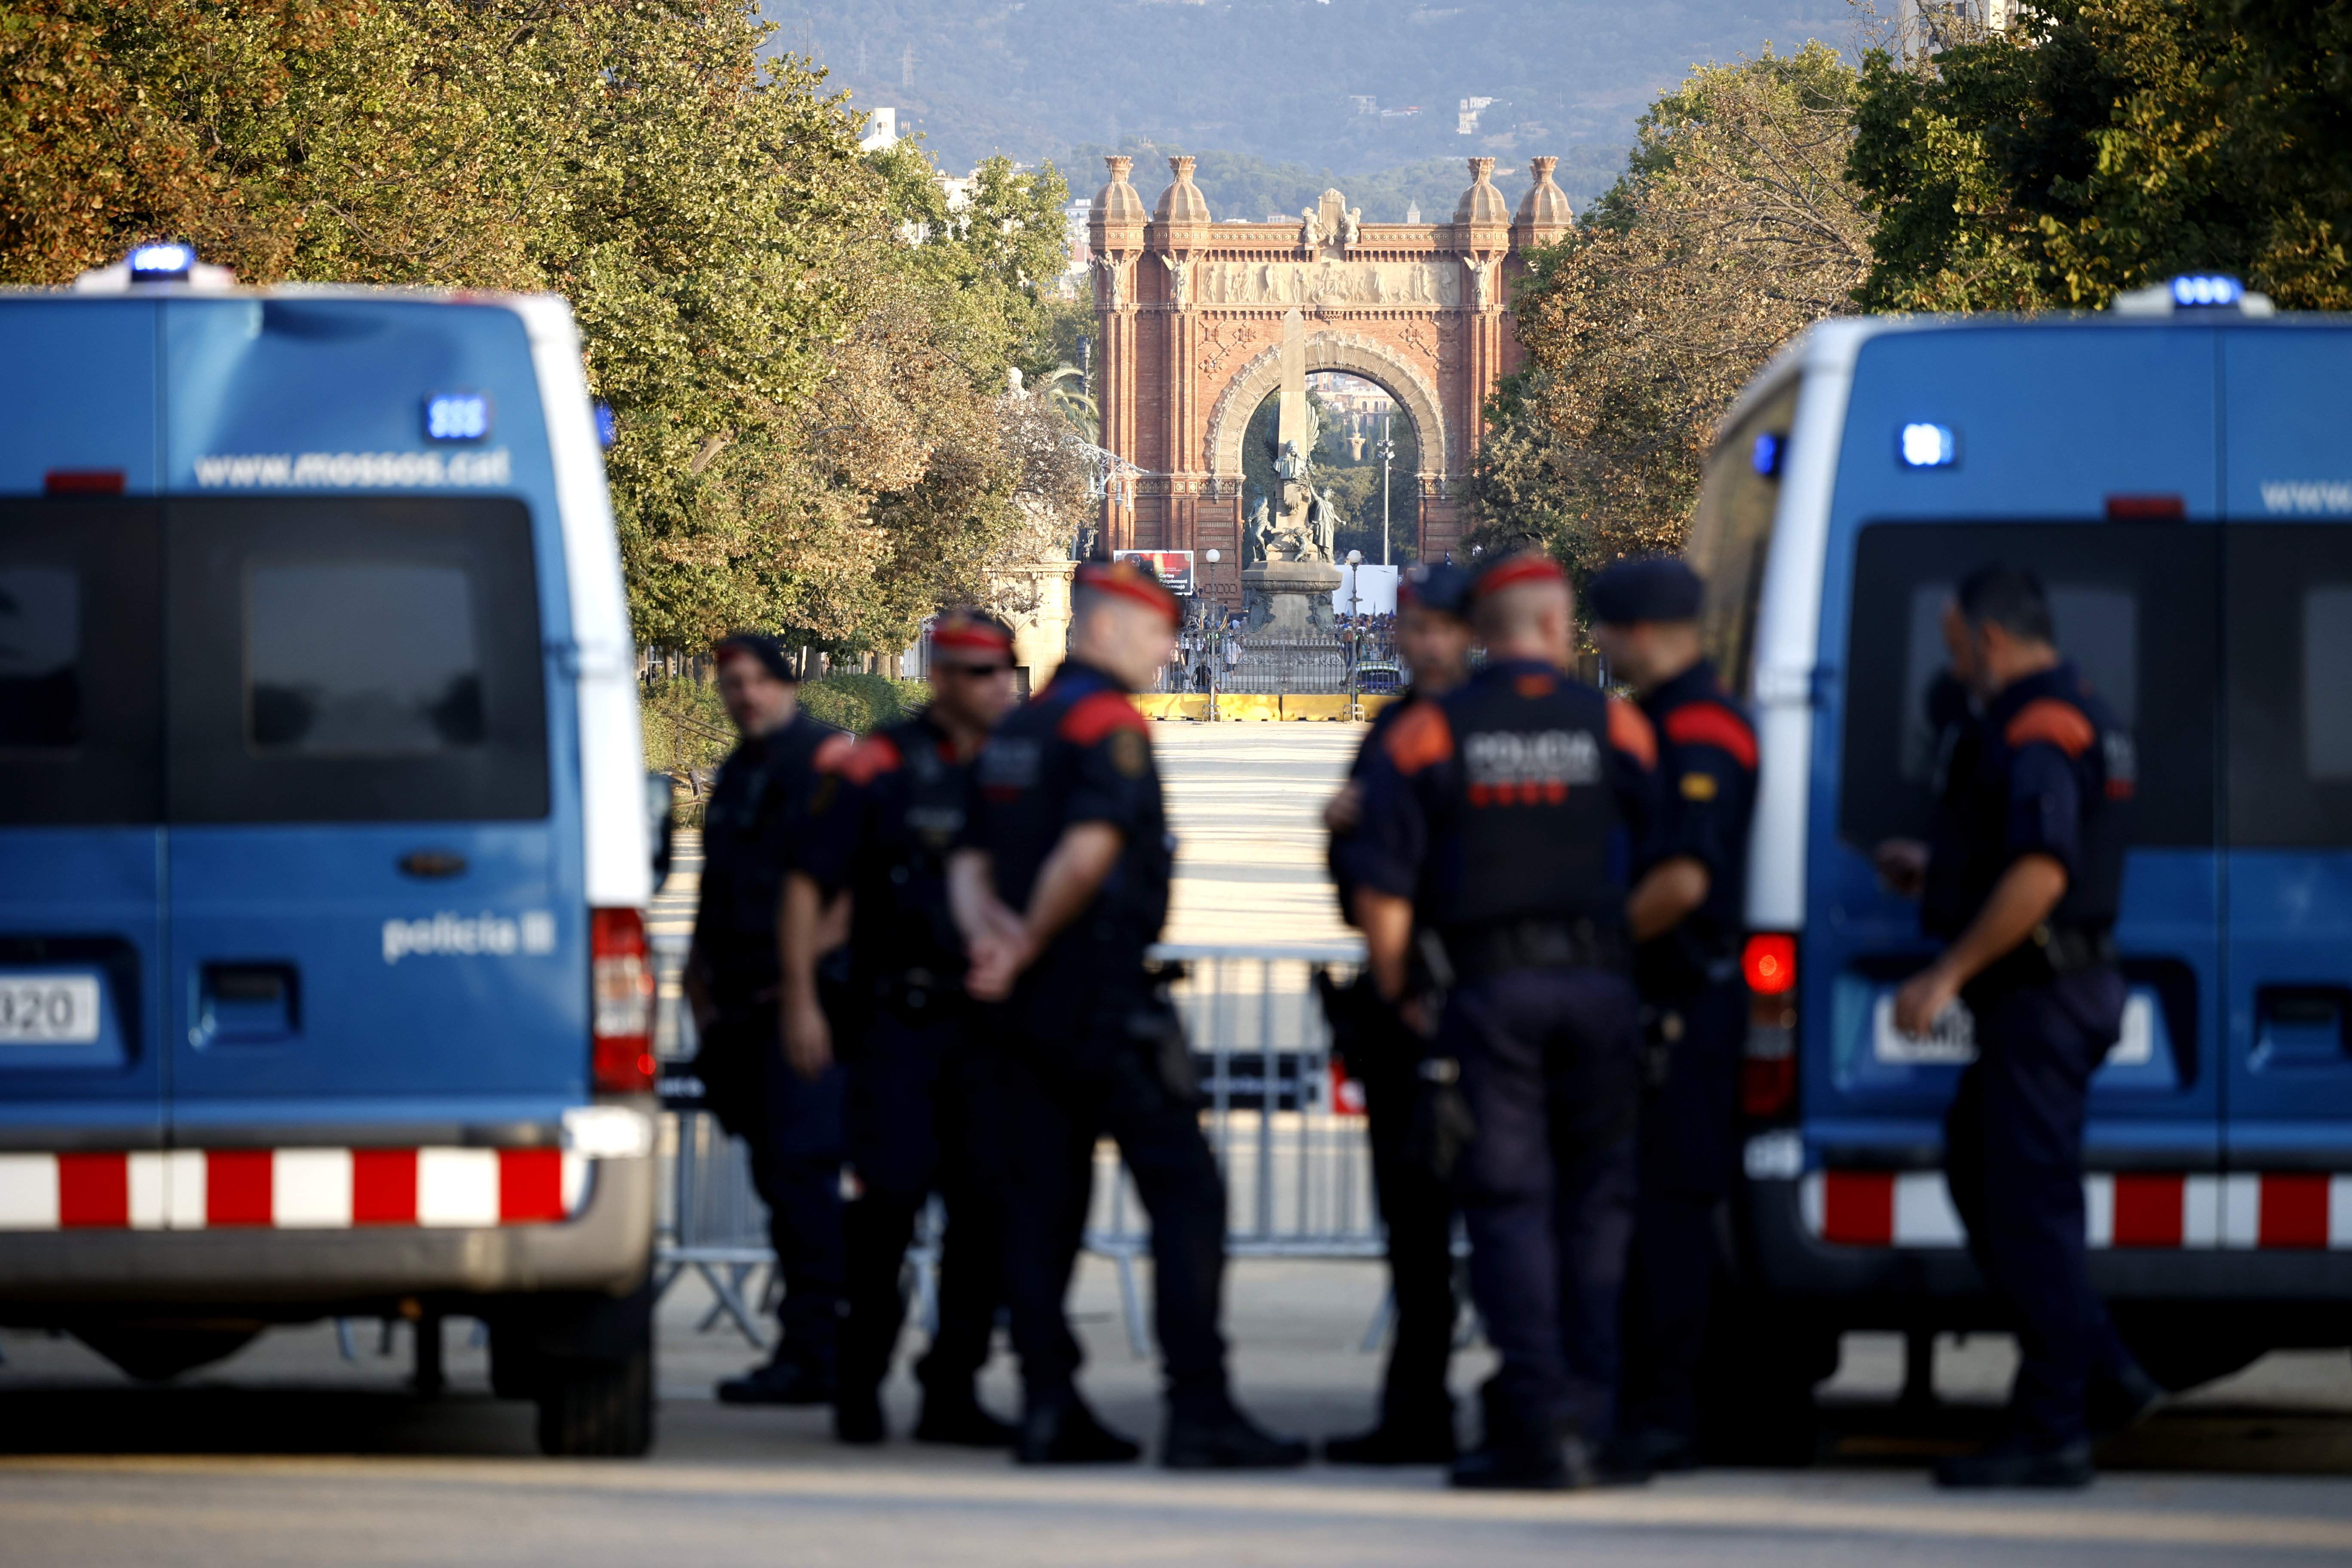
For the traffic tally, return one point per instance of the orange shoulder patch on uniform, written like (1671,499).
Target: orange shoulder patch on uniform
(861,763)
(1630,732)
(1420,738)
(1713,724)
(832,752)
(1098,714)
(2048,720)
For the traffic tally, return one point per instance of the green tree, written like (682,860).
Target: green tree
(1733,227)
(2101,145)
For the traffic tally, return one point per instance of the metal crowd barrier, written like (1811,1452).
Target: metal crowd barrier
(1288,1135)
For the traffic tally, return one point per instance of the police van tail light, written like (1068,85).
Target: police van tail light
(1768,1068)
(621,1002)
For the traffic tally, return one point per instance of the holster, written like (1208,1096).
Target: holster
(2047,953)
(1442,1125)
(1157,1033)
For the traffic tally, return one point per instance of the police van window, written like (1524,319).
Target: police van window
(371,658)
(40,658)
(1733,527)
(354,660)
(2133,610)
(2289,657)
(80,727)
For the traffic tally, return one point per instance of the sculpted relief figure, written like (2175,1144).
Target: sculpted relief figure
(1350,225)
(1180,281)
(1310,231)
(1107,270)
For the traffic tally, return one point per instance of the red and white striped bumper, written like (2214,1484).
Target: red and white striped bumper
(290,1189)
(2306,1210)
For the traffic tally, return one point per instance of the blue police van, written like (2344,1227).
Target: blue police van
(2178,471)
(324,834)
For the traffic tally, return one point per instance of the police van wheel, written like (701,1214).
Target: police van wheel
(597,1409)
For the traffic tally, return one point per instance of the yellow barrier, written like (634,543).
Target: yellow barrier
(1171,705)
(1255,707)
(1369,706)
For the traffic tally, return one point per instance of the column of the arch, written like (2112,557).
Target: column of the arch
(1178,235)
(1115,228)
(1479,239)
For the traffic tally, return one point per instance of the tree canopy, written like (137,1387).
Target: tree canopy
(2100,145)
(1733,226)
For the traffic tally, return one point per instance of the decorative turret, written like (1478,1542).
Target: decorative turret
(1481,204)
(1115,234)
(1544,213)
(1181,205)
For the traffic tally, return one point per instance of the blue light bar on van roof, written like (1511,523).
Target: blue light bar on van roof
(167,261)
(456,416)
(2195,288)
(1926,446)
(1766,458)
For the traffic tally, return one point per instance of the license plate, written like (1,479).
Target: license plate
(48,1009)
(1951,1039)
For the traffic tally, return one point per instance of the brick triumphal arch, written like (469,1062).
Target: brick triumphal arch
(1189,316)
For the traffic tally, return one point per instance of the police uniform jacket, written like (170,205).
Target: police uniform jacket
(1521,798)
(2052,772)
(1077,752)
(747,828)
(1342,880)
(1707,775)
(882,816)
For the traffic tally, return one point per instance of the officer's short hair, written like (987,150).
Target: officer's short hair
(2009,597)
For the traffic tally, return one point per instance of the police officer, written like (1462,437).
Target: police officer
(1063,886)
(1384,1055)
(882,819)
(1503,821)
(793,1125)
(2029,866)
(1684,915)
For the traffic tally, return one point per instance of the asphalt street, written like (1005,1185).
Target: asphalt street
(308,1448)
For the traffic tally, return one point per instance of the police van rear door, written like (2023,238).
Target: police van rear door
(2087,455)
(376,920)
(2287,627)
(80,769)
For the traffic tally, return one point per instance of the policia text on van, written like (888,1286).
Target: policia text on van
(323,835)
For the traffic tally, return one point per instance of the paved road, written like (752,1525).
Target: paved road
(292,1453)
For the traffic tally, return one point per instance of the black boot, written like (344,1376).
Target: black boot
(783,1381)
(957,1418)
(1065,1432)
(2122,1399)
(1425,1439)
(1220,1437)
(1651,1450)
(857,1417)
(1565,1465)
(2020,1462)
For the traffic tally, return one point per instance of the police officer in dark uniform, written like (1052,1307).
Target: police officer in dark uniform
(1686,915)
(791,1125)
(1501,832)
(2030,862)
(1063,886)
(882,819)
(1384,1055)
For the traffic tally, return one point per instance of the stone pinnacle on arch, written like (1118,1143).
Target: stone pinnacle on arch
(1182,204)
(1481,204)
(1118,202)
(1544,213)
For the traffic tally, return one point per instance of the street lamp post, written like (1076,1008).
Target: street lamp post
(1388,452)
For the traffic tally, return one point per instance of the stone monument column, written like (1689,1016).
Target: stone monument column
(1115,228)
(1177,233)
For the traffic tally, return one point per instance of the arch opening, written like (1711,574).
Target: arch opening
(1355,415)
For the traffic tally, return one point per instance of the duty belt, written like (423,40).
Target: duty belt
(2047,953)
(1480,950)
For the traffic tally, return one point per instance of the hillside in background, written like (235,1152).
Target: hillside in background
(1351,86)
